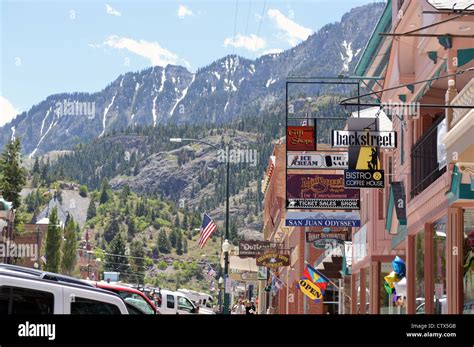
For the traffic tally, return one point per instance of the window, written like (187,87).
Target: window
(88,306)
(185,305)
(136,300)
(169,301)
(14,300)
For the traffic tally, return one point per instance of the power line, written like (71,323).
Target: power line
(247,24)
(260,24)
(235,23)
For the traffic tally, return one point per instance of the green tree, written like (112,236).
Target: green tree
(12,175)
(53,243)
(115,259)
(69,248)
(185,245)
(164,245)
(91,210)
(131,228)
(173,238)
(36,167)
(137,261)
(83,191)
(179,244)
(104,192)
(112,229)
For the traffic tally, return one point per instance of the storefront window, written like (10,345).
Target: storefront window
(420,272)
(468,262)
(386,305)
(439,268)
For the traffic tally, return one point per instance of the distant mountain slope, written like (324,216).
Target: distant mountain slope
(220,92)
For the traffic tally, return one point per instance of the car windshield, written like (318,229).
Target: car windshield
(137,301)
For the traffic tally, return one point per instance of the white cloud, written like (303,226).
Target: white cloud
(293,32)
(251,43)
(272,51)
(149,50)
(112,11)
(184,11)
(7,111)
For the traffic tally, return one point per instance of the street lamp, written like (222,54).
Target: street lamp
(226,254)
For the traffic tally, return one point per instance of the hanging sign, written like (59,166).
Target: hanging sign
(322,219)
(300,138)
(309,191)
(273,260)
(367,138)
(251,248)
(364,179)
(317,161)
(312,236)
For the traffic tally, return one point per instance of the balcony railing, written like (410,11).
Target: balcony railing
(464,98)
(424,162)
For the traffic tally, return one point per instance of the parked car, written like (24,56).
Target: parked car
(29,291)
(130,295)
(440,305)
(175,303)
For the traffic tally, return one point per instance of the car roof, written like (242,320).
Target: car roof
(41,274)
(77,284)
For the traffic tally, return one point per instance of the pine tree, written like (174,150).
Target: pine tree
(115,259)
(53,243)
(12,174)
(104,192)
(173,238)
(36,167)
(91,210)
(112,229)
(179,244)
(185,245)
(131,229)
(137,261)
(69,248)
(164,245)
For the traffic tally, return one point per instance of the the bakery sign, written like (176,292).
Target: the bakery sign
(251,248)
(273,260)
(317,161)
(300,138)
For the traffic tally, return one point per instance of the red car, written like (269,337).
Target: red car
(136,301)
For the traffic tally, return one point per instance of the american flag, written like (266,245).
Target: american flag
(208,227)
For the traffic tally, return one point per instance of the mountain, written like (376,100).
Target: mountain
(221,92)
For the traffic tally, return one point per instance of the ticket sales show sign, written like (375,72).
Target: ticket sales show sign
(364,179)
(365,138)
(326,192)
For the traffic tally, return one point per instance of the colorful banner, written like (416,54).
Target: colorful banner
(313,284)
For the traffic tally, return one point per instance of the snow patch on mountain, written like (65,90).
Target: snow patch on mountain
(270,81)
(349,55)
(153,111)
(106,110)
(163,79)
(183,94)
(42,123)
(13,133)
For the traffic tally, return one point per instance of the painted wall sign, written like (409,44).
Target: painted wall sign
(380,139)
(300,138)
(364,179)
(320,192)
(273,260)
(251,248)
(322,219)
(318,161)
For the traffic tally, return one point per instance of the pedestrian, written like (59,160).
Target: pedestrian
(238,308)
(250,308)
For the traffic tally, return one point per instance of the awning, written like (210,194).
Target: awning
(397,202)
(462,186)
(465,56)
(335,263)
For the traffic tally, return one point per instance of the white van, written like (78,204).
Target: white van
(29,291)
(175,303)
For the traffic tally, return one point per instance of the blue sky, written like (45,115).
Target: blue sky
(49,47)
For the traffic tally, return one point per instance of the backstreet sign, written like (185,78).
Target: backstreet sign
(309,191)
(318,161)
(251,248)
(381,139)
(364,179)
(273,260)
(322,219)
(301,138)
